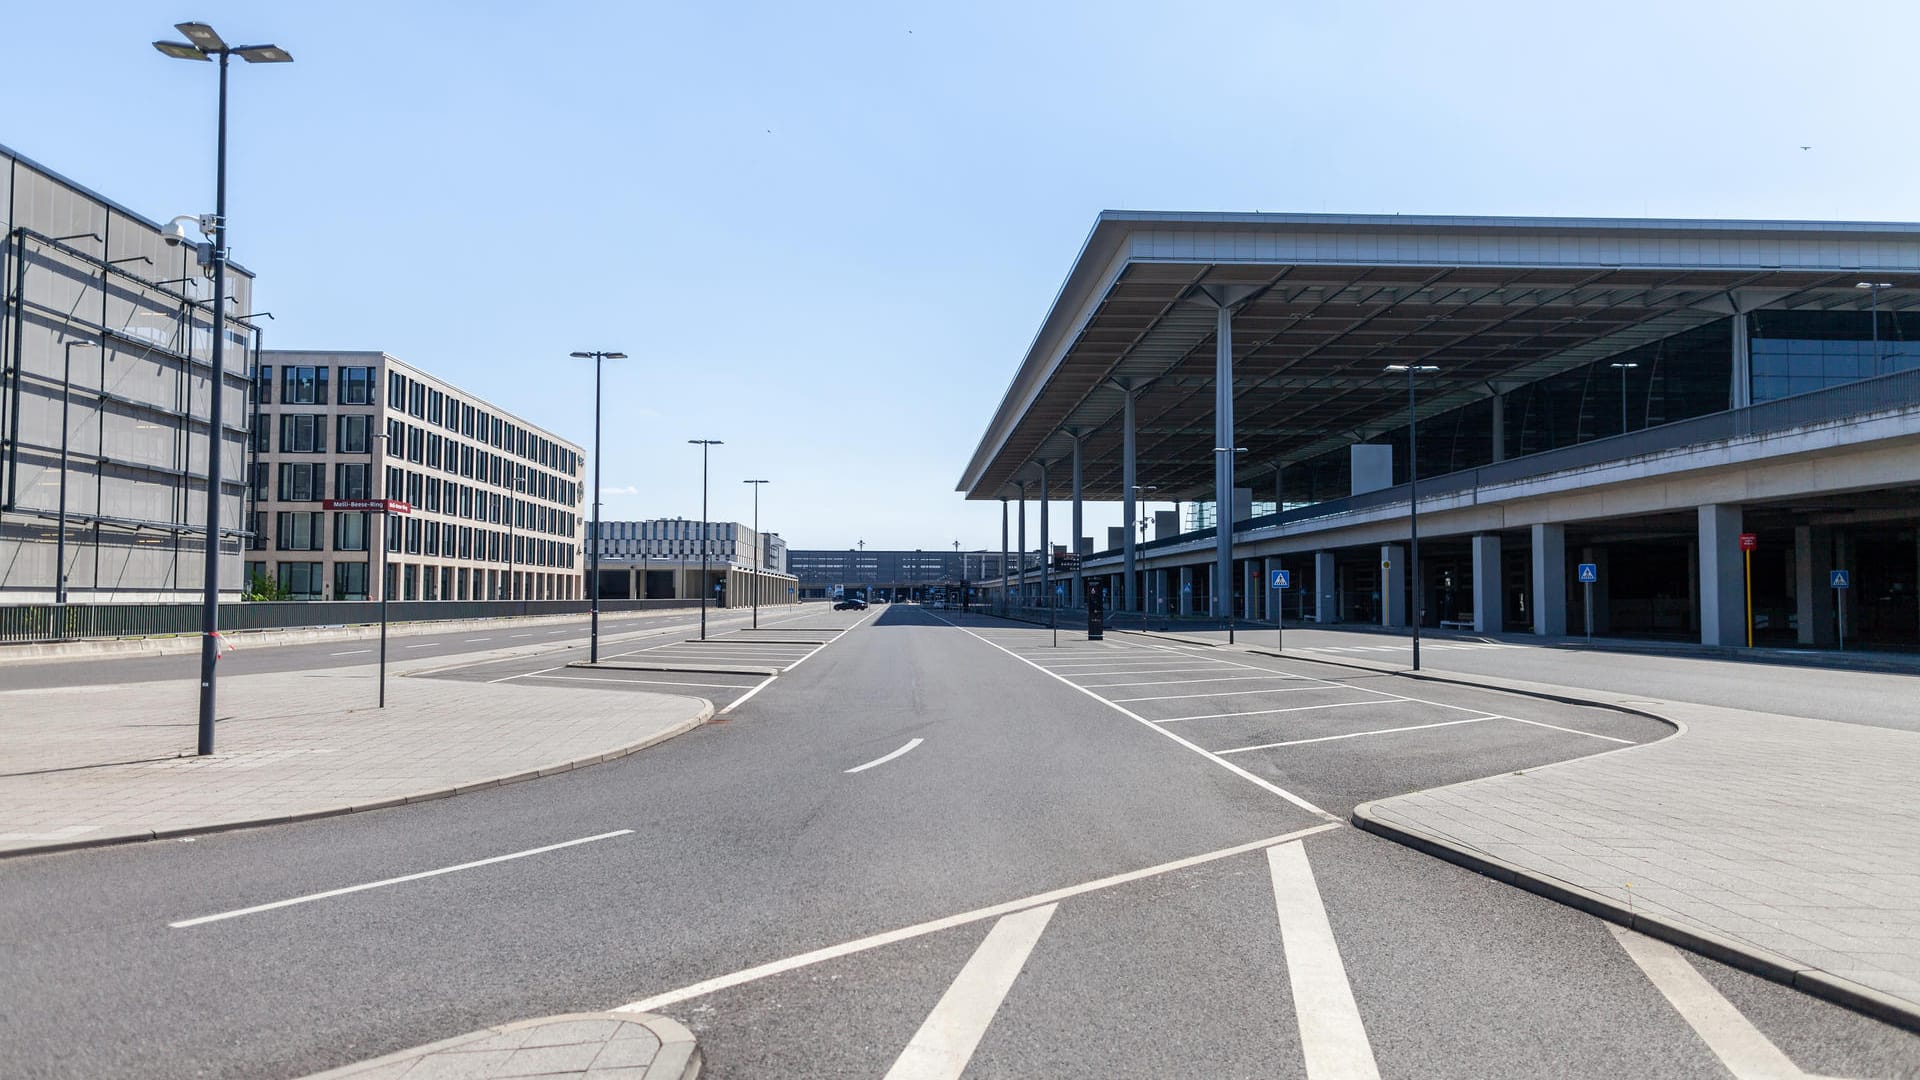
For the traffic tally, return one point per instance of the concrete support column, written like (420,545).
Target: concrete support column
(1046,545)
(1723,593)
(1250,589)
(1003,549)
(1393,585)
(1186,590)
(1550,580)
(1742,390)
(1020,575)
(1326,599)
(1079,593)
(1128,506)
(1488,606)
(1275,599)
(1499,427)
(1813,591)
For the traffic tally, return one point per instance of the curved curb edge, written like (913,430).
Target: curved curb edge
(447,791)
(679,1057)
(1732,952)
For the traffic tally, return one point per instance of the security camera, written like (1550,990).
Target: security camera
(175,232)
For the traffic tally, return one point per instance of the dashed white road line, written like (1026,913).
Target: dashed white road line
(351,652)
(423,645)
(310,897)
(946,1040)
(768,681)
(907,933)
(479,639)
(645,682)
(883,759)
(1747,1054)
(1332,1037)
(1183,682)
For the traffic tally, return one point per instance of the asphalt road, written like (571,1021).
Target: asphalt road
(926,840)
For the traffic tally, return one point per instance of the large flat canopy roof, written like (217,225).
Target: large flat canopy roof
(1495,302)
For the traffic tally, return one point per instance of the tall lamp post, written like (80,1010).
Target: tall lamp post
(593,556)
(1413,499)
(205,45)
(386,521)
(1623,369)
(759,551)
(1874,287)
(60,542)
(704,445)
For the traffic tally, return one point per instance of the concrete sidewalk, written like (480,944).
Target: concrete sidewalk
(88,765)
(592,1046)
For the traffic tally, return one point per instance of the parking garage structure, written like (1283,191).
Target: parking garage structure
(1672,408)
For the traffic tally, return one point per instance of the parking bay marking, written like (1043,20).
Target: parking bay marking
(947,1038)
(310,897)
(1357,734)
(883,759)
(1333,1039)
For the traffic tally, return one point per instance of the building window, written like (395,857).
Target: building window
(303,385)
(301,530)
(302,481)
(350,581)
(417,400)
(260,470)
(302,580)
(416,444)
(356,386)
(353,433)
(263,385)
(396,389)
(413,536)
(433,450)
(257,524)
(349,534)
(303,433)
(436,402)
(350,481)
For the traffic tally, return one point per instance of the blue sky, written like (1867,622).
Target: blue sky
(827,233)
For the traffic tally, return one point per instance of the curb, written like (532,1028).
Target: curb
(428,795)
(679,1057)
(702,669)
(1750,958)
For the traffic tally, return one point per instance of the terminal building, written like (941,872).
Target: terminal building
(495,501)
(891,575)
(662,559)
(1669,408)
(105,374)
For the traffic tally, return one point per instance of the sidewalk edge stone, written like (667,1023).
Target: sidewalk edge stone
(135,836)
(1750,958)
(679,1057)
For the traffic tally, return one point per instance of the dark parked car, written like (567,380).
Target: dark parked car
(851,603)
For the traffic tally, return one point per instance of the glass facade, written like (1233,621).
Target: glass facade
(1797,352)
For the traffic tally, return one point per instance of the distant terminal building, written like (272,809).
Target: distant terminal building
(105,369)
(660,559)
(888,575)
(496,501)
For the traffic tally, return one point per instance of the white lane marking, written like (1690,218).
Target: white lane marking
(886,758)
(527,674)
(768,681)
(1140,671)
(310,897)
(1357,734)
(1747,1054)
(1222,693)
(647,682)
(1183,682)
(1150,725)
(1270,712)
(907,933)
(479,639)
(556,631)
(523,635)
(947,1038)
(1568,730)
(351,652)
(424,645)
(1332,1037)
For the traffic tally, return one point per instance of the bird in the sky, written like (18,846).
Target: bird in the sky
(1806,148)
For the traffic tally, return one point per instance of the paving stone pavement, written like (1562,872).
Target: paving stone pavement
(1791,838)
(593,1046)
(99,764)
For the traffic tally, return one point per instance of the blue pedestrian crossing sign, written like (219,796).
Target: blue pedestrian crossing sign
(1838,579)
(1589,571)
(1281,579)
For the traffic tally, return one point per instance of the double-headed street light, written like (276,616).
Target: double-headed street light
(759,552)
(205,45)
(1413,500)
(1875,287)
(593,556)
(704,444)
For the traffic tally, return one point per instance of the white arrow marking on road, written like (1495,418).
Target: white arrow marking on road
(1332,1037)
(184,923)
(886,758)
(1740,1046)
(945,1042)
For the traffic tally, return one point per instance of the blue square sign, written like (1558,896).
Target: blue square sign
(1589,572)
(1838,579)
(1281,579)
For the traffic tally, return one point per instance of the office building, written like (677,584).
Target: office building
(888,575)
(496,503)
(661,559)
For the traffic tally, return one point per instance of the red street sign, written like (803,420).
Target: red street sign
(1749,542)
(378,506)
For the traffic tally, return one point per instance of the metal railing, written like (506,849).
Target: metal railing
(24,623)
(1861,398)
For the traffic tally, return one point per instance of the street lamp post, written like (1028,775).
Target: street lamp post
(205,45)
(593,557)
(1413,500)
(1874,287)
(60,542)
(704,445)
(386,520)
(1623,369)
(759,552)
